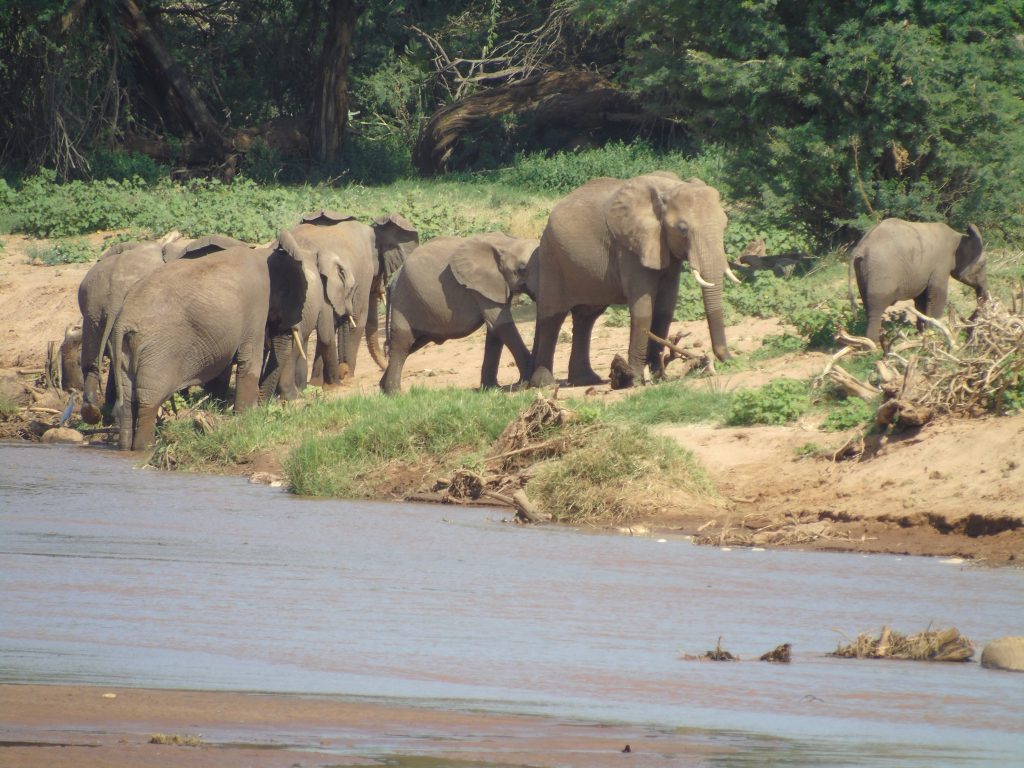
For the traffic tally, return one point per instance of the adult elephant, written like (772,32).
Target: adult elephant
(450,287)
(347,263)
(615,241)
(899,259)
(186,323)
(102,292)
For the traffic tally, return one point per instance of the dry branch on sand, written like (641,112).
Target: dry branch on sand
(930,645)
(524,441)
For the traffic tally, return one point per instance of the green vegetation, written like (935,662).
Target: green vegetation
(62,252)
(849,413)
(777,402)
(8,408)
(613,474)
(672,403)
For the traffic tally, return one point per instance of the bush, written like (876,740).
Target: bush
(778,402)
(62,252)
(121,165)
(847,414)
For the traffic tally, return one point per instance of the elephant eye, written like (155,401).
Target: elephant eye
(682,228)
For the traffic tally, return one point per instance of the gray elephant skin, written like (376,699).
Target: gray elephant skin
(451,286)
(347,263)
(185,323)
(102,292)
(897,260)
(615,241)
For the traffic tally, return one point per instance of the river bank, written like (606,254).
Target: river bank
(952,489)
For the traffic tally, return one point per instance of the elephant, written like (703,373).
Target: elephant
(614,241)
(451,286)
(899,259)
(347,263)
(102,292)
(184,324)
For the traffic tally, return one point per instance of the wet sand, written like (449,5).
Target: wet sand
(55,726)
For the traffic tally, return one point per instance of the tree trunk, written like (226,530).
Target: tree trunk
(185,104)
(330,111)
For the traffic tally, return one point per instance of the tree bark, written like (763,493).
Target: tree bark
(330,111)
(178,94)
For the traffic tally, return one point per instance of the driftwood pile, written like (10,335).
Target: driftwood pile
(757,531)
(966,368)
(532,436)
(930,645)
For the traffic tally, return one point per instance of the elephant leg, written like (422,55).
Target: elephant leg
(348,344)
(90,362)
(327,355)
(109,400)
(580,371)
(144,431)
(492,358)
(935,303)
(402,344)
(279,371)
(921,305)
(640,314)
(545,336)
(316,373)
(661,318)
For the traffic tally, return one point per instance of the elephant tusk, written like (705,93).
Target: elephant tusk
(298,343)
(732,275)
(351,322)
(701,281)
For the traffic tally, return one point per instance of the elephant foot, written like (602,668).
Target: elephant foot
(542,377)
(91,414)
(587,378)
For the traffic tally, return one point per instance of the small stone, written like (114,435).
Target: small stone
(63,435)
(1004,653)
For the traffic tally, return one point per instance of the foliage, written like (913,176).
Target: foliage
(847,112)
(9,408)
(777,345)
(612,475)
(847,414)
(121,165)
(61,252)
(777,402)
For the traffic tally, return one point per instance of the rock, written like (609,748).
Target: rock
(1004,653)
(63,435)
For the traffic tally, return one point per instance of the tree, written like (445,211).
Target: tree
(331,105)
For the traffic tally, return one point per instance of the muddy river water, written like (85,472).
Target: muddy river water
(111,575)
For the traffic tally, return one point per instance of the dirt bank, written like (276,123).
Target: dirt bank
(955,488)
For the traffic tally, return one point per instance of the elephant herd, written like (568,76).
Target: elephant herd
(176,313)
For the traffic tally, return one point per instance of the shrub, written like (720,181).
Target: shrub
(778,402)
(62,252)
(848,413)
(122,165)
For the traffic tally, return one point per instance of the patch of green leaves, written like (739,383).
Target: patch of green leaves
(847,414)
(61,252)
(778,402)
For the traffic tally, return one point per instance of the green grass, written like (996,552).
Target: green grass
(672,403)
(617,473)
(69,251)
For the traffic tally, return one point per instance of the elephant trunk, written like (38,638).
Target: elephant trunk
(372,342)
(709,259)
(282,347)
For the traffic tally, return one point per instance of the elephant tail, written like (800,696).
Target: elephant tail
(849,281)
(372,342)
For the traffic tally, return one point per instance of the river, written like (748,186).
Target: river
(112,575)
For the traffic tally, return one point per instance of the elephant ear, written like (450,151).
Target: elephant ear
(205,246)
(323,217)
(475,265)
(634,220)
(287,286)
(396,238)
(339,281)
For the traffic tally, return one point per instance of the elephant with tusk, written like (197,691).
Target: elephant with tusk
(347,263)
(615,241)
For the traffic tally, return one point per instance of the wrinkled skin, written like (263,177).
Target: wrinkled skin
(184,324)
(102,292)
(450,287)
(625,242)
(347,264)
(899,260)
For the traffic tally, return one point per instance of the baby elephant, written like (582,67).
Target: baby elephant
(899,260)
(450,287)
